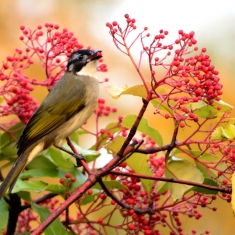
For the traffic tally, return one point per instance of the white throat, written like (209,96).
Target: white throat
(89,69)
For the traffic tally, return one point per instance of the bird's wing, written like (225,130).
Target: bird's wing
(64,101)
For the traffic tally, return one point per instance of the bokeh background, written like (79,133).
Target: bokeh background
(213,22)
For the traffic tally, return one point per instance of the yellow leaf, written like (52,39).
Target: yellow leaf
(233,193)
(115,91)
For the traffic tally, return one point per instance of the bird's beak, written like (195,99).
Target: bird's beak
(97,55)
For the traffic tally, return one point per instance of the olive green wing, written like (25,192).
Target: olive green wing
(65,100)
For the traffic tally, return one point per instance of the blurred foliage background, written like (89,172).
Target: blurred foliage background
(213,22)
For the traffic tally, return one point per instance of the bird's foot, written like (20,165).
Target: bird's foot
(78,158)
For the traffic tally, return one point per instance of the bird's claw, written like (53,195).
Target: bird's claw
(78,158)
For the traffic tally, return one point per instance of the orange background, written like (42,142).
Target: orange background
(213,22)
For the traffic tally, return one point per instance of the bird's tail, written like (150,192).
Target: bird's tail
(14,173)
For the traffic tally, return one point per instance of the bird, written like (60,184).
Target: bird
(66,107)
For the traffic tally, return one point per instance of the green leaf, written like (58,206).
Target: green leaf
(4,215)
(26,233)
(225,107)
(116,92)
(203,109)
(80,178)
(163,106)
(56,227)
(139,163)
(144,127)
(182,170)
(42,161)
(217,134)
(226,133)
(204,156)
(162,187)
(8,151)
(70,232)
(75,135)
(230,131)
(35,173)
(137,90)
(37,186)
(89,155)
(111,184)
(90,198)
(115,145)
(15,132)
(207,181)
(25,195)
(59,160)
(208,159)
(55,188)
(112,127)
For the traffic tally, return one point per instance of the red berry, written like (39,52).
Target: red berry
(100,220)
(102,196)
(191,115)
(73,179)
(109,25)
(61,181)
(89,191)
(67,175)
(213,197)
(120,118)
(225,182)
(114,109)
(114,23)
(147,232)
(106,113)
(167,115)
(101,101)
(131,226)
(131,212)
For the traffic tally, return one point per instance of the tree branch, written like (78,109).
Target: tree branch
(176,181)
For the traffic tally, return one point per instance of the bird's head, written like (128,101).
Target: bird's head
(84,62)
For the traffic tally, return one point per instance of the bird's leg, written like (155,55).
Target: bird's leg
(78,156)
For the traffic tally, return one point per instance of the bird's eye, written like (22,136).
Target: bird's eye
(80,57)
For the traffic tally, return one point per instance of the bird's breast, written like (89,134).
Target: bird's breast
(75,122)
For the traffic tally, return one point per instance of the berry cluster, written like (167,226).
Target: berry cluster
(102,109)
(52,52)
(187,79)
(68,180)
(194,75)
